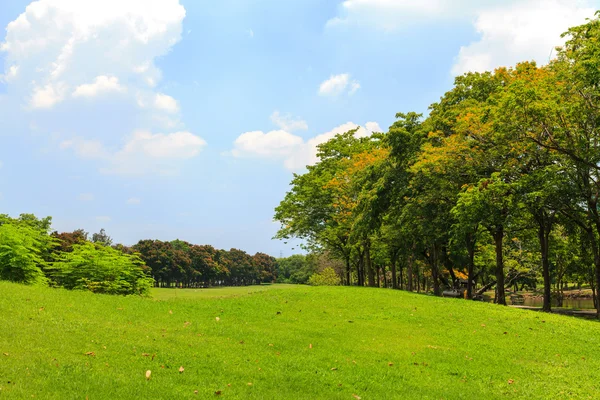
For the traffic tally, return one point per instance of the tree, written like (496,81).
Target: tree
(68,239)
(101,269)
(102,238)
(21,248)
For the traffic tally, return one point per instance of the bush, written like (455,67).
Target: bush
(101,269)
(327,277)
(20,254)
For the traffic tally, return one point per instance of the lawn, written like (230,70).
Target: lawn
(287,342)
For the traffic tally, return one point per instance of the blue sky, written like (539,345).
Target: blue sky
(186,119)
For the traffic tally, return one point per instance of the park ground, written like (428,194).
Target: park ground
(287,342)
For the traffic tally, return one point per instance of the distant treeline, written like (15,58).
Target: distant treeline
(31,253)
(181,264)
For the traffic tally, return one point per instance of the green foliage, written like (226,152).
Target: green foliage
(294,269)
(21,248)
(504,161)
(101,269)
(327,277)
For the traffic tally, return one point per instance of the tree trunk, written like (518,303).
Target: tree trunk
(361,268)
(434,270)
(543,235)
(448,264)
(348,280)
(498,237)
(418,277)
(471,266)
(394,280)
(409,273)
(369,265)
(597,273)
(400,275)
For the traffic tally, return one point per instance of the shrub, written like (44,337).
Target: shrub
(101,269)
(20,254)
(327,277)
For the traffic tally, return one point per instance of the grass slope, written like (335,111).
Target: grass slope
(297,343)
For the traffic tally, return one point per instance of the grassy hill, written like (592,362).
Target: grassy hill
(287,342)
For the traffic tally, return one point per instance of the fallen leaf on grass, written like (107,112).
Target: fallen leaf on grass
(310,346)
(6,354)
(249,383)
(90,353)
(218,393)
(390,364)
(357,397)
(148,373)
(510,381)
(170,312)
(145,355)
(195,392)
(181,369)
(218,319)
(334,369)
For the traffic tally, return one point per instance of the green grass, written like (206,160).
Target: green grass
(167,294)
(372,343)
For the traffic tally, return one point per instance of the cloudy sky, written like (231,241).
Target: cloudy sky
(186,119)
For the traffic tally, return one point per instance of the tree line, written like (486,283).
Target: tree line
(31,253)
(498,186)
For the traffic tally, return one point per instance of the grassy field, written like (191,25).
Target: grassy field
(286,342)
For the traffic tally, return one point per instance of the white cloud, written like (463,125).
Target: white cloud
(337,85)
(59,51)
(143,153)
(288,123)
(102,84)
(295,153)
(510,30)
(11,73)
(85,197)
(134,201)
(250,33)
(523,31)
(166,103)
(47,96)
(147,153)
(274,144)
(394,14)
(354,86)
(68,43)
(87,149)
(178,145)
(307,154)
